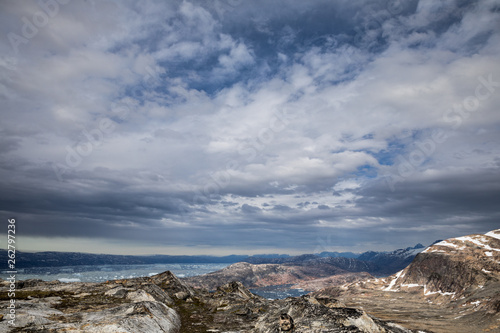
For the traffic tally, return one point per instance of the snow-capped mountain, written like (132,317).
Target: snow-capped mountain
(390,262)
(464,268)
(456,280)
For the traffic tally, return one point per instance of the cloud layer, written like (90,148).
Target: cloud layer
(242,127)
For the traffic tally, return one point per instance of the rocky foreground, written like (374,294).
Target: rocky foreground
(163,303)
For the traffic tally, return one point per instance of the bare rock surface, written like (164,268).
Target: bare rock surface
(232,308)
(451,286)
(263,275)
(334,280)
(164,303)
(117,306)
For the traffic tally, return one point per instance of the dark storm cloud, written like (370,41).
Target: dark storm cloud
(248,209)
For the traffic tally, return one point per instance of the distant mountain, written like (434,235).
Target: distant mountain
(338,254)
(346,264)
(318,271)
(376,263)
(57,259)
(386,263)
(280,260)
(290,270)
(271,256)
(263,275)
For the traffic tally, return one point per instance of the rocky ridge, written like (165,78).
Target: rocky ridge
(386,263)
(309,272)
(163,303)
(60,259)
(262,275)
(376,263)
(335,280)
(457,280)
(453,269)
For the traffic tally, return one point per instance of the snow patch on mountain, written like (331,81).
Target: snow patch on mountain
(494,234)
(478,240)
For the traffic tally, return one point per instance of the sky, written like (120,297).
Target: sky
(245,127)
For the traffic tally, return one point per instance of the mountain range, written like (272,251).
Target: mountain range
(376,263)
(58,259)
(310,272)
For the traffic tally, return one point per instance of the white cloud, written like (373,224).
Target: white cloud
(238,56)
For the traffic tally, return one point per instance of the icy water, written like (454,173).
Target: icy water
(101,273)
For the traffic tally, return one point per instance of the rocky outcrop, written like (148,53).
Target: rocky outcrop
(311,261)
(309,314)
(254,276)
(163,303)
(300,271)
(137,305)
(456,279)
(248,274)
(237,310)
(454,267)
(335,280)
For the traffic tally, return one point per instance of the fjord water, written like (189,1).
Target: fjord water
(101,273)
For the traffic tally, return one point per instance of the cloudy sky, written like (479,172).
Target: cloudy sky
(232,126)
